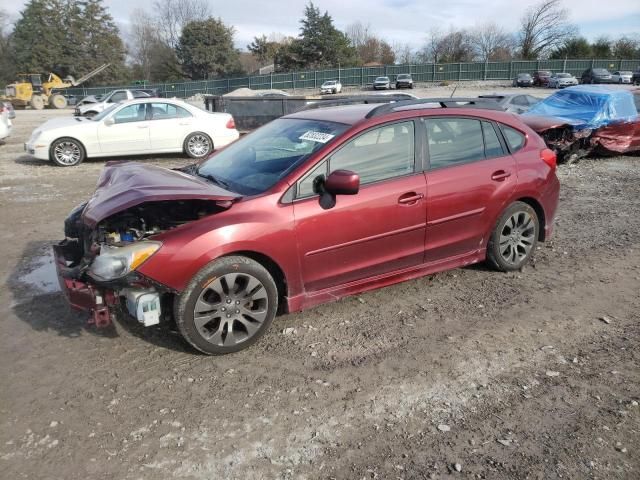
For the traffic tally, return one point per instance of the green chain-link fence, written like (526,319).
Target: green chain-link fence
(360,76)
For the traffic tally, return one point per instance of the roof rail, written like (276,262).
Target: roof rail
(353,100)
(454,102)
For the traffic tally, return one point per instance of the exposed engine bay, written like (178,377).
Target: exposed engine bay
(98,264)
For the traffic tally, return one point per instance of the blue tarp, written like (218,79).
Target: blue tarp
(588,106)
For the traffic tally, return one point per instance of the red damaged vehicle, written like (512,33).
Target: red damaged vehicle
(585,119)
(310,208)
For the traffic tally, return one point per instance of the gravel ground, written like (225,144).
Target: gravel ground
(465,374)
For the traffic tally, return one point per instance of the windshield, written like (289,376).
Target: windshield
(563,75)
(255,163)
(524,75)
(382,79)
(104,113)
(600,71)
(404,76)
(329,83)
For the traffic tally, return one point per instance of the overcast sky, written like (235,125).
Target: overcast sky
(405,21)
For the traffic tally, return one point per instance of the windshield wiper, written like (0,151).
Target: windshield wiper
(215,180)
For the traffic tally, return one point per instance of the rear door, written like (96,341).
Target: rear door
(470,177)
(169,125)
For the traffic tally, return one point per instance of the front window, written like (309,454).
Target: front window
(131,113)
(107,111)
(255,163)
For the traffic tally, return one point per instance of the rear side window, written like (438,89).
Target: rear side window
(514,138)
(454,141)
(492,146)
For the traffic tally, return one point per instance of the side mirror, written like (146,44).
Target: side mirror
(342,182)
(109,121)
(339,182)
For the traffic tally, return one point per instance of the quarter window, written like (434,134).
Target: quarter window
(378,154)
(454,141)
(514,138)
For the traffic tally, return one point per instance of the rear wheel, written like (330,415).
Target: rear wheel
(66,152)
(227,306)
(57,101)
(198,145)
(514,237)
(36,102)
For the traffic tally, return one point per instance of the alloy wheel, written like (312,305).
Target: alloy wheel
(67,153)
(198,145)
(231,309)
(517,237)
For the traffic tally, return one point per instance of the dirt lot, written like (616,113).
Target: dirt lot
(469,373)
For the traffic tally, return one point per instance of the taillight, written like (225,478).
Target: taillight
(231,123)
(549,157)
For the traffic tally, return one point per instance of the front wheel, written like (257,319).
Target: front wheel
(198,145)
(66,152)
(514,237)
(227,306)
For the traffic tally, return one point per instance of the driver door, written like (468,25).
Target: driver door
(129,134)
(378,230)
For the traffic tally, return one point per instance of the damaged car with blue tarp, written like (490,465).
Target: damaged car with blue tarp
(586,119)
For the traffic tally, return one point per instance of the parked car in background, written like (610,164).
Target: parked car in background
(331,86)
(382,83)
(8,108)
(562,80)
(5,123)
(541,78)
(577,121)
(622,76)
(404,80)
(91,109)
(310,208)
(89,99)
(596,75)
(523,80)
(635,78)
(512,102)
(133,127)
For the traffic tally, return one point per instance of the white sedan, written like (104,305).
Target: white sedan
(5,123)
(621,77)
(135,127)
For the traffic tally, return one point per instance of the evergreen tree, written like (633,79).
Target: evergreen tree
(68,37)
(206,49)
(320,44)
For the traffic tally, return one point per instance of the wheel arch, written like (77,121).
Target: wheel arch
(537,206)
(272,267)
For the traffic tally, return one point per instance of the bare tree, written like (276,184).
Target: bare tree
(454,46)
(7,61)
(490,42)
(358,33)
(172,15)
(544,26)
(144,36)
(404,53)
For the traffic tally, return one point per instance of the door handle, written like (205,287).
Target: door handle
(143,126)
(410,198)
(500,175)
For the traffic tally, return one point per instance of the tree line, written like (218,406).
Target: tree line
(182,39)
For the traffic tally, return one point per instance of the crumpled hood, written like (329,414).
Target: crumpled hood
(124,185)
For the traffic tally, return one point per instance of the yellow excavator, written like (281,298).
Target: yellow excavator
(29,89)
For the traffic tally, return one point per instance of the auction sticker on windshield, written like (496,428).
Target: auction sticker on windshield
(319,137)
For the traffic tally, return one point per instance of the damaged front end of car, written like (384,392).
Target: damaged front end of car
(108,238)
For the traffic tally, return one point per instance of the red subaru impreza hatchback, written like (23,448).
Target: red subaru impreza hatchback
(311,207)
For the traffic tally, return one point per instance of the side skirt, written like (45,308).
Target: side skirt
(311,299)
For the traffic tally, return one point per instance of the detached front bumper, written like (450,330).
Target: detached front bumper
(82,295)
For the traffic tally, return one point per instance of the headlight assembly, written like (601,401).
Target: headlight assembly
(116,262)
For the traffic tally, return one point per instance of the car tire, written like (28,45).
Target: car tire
(67,152)
(229,325)
(514,238)
(198,145)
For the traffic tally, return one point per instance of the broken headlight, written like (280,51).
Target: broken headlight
(116,262)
